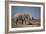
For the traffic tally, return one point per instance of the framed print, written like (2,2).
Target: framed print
(24,16)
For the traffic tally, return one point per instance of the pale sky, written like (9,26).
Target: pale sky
(32,11)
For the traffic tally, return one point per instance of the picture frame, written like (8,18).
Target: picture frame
(9,29)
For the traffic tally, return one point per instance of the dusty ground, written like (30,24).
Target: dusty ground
(35,23)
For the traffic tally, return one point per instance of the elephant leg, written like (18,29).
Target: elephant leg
(22,21)
(16,21)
